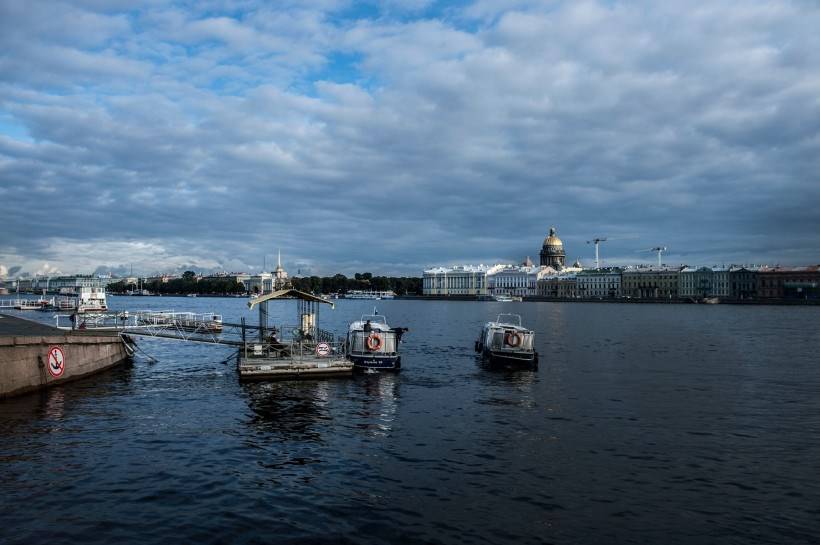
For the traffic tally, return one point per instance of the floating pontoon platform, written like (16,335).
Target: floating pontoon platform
(292,360)
(286,352)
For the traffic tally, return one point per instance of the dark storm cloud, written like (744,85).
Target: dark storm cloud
(206,136)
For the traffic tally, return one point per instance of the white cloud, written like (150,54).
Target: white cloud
(407,140)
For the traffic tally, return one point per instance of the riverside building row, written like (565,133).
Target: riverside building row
(628,282)
(553,279)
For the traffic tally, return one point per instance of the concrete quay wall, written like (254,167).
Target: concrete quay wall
(29,363)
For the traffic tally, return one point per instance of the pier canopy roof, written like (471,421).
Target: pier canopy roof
(288,294)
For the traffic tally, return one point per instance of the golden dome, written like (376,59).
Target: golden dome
(552,239)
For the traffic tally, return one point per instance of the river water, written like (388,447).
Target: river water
(643,424)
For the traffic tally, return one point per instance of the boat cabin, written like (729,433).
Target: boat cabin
(91,299)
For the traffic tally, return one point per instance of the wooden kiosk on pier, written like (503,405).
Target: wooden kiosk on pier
(302,350)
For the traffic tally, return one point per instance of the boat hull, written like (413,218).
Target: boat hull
(381,363)
(520,358)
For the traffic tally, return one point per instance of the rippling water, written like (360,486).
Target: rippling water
(643,424)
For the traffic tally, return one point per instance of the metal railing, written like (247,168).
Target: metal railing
(292,350)
(388,342)
(184,320)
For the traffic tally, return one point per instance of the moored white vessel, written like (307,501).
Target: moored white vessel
(373,344)
(91,299)
(506,341)
(507,298)
(360,294)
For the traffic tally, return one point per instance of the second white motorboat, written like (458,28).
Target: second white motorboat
(373,344)
(506,341)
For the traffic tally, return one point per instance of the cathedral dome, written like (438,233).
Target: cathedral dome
(552,253)
(552,242)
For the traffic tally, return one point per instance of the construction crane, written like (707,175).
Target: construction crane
(659,249)
(596,241)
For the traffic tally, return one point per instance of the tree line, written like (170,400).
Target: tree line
(338,283)
(185,285)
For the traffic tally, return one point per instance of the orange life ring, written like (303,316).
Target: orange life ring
(513,339)
(374,342)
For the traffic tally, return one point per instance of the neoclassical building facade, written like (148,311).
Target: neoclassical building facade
(500,279)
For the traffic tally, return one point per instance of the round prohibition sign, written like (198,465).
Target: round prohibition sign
(56,361)
(322,349)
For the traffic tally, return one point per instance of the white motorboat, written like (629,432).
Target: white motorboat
(506,341)
(373,344)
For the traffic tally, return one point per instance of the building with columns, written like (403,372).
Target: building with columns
(650,282)
(516,280)
(704,282)
(743,282)
(457,280)
(559,286)
(604,282)
(500,279)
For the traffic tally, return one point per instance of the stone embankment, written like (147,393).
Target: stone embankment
(624,300)
(35,356)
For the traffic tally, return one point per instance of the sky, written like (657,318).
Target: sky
(391,136)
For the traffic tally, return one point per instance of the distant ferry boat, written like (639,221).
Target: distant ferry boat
(30,304)
(142,292)
(91,300)
(506,298)
(360,294)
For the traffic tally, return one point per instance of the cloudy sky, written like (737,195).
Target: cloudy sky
(390,136)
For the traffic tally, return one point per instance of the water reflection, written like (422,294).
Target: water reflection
(506,385)
(54,407)
(56,403)
(583,449)
(292,410)
(379,403)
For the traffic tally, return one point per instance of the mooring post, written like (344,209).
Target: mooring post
(263,320)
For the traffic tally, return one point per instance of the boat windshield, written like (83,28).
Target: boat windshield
(374,319)
(511,319)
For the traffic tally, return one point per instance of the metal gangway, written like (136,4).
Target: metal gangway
(166,324)
(185,326)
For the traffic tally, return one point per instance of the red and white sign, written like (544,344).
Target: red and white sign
(56,361)
(323,349)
